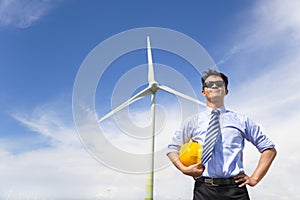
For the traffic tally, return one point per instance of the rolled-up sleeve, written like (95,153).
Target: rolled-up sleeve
(181,136)
(257,137)
(176,143)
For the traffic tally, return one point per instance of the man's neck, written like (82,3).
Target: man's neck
(215,105)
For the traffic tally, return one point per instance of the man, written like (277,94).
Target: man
(221,175)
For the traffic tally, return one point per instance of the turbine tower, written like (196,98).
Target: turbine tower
(152,89)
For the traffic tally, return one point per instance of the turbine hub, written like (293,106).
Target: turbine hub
(153,86)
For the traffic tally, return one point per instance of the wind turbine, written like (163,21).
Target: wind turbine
(152,88)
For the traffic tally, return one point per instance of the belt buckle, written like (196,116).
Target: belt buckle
(213,183)
(210,181)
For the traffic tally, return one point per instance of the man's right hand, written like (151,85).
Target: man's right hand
(194,170)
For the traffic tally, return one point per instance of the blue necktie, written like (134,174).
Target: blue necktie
(211,136)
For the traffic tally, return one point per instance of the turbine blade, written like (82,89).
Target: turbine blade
(172,91)
(150,63)
(136,97)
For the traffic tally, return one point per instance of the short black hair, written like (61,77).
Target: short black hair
(213,72)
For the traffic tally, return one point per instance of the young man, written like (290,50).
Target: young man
(220,174)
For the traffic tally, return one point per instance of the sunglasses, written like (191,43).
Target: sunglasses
(210,84)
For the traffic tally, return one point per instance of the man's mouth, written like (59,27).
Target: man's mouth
(214,90)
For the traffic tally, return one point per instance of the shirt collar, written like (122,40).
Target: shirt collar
(222,109)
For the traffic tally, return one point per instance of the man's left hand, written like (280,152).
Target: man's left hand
(244,179)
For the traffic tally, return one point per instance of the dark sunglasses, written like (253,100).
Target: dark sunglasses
(210,84)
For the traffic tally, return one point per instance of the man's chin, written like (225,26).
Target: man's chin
(216,98)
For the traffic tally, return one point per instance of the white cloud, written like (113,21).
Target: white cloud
(23,13)
(63,173)
(46,123)
(279,18)
(62,170)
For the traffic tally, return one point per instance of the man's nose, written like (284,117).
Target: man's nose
(214,86)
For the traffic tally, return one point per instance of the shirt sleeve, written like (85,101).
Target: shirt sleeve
(176,143)
(181,137)
(254,134)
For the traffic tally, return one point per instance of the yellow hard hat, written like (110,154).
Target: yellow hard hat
(190,153)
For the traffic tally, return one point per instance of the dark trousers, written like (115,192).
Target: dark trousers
(206,191)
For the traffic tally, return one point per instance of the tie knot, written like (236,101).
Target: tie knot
(215,112)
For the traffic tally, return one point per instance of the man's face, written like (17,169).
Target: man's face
(214,88)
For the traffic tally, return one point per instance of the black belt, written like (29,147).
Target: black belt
(216,181)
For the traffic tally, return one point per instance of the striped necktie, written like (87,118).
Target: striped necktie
(211,136)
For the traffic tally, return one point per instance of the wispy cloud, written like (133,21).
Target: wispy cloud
(275,83)
(22,14)
(48,124)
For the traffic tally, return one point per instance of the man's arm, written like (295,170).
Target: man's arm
(262,168)
(192,170)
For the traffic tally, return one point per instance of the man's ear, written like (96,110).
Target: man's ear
(226,91)
(203,92)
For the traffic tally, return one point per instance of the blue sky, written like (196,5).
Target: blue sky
(44,43)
